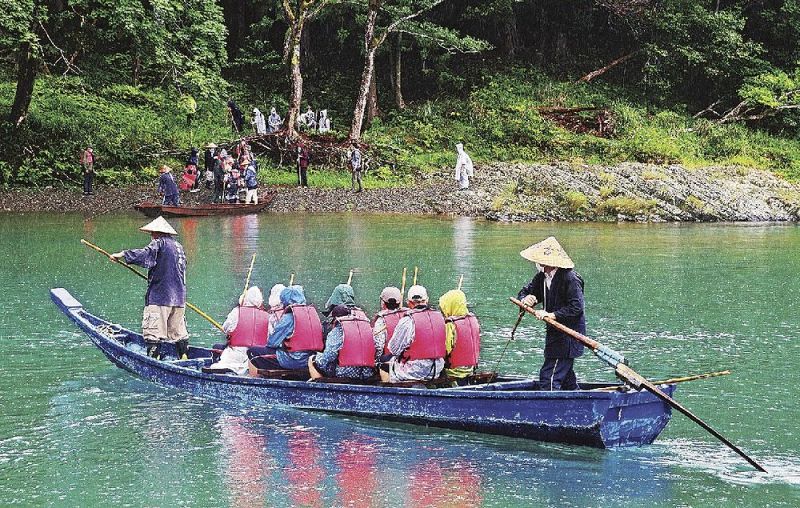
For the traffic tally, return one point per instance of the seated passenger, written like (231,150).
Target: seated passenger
(297,335)
(417,345)
(349,348)
(275,310)
(246,326)
(463,335)
(342,294)
(387,318)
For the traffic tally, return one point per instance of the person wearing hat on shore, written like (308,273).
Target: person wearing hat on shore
(417,346)
(385,321)
(560,289)
(163,319)
(356,363)
(168,187)
(275,123)
(355,168)
(208,164)
(87,160)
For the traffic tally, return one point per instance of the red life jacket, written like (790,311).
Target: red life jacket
(467,346)
(360,314)
(391,318)
(251,329)
(307,333)
(429,335)
(358,349)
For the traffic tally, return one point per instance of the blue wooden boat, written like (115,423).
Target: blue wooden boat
(508,406)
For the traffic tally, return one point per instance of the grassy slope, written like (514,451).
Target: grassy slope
(135,130)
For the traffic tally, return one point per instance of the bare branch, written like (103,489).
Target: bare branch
(67,62)
(603,70)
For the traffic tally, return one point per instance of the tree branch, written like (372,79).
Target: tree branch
(608,67)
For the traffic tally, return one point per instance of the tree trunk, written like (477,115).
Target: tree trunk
(510,34)
(397,82)
(367,74)
(297,76)
(27,66)
(373,110)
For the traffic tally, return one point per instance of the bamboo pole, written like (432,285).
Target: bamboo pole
(140,274)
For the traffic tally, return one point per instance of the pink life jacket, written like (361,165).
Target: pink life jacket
(467,346)
(360,314)
(251,329)
(358,349)
(307,333)
(429,336)
(391,318)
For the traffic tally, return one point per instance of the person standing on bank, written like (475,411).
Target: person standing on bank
(163,319)
(464,169)
(87,161)
(302,165)
(355,167)
(560,289)
(168,187)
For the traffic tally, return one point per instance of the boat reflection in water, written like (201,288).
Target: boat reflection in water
(287,457)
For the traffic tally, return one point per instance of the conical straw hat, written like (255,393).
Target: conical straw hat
(160,225)
(548,252)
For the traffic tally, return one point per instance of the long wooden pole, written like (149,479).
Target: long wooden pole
(672,380)
(140,274)
(403,287)
(415,276)
(350,277)
(460,281)
(291,279)
(249,272)
(628,375)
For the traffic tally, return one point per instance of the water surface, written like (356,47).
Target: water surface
(675,299)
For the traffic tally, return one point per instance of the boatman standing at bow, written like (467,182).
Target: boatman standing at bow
(165,300)
(560,289)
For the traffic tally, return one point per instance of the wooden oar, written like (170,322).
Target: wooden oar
(628,375)
(249,271)
(140,274)
(403,287)
(672,380)
(350,277)
(460,281)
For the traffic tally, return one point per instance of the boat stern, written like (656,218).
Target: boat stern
(635,418)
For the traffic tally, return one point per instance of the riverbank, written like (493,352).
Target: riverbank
(504,192)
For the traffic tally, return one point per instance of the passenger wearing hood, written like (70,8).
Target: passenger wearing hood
(275,309)
(247,326)
(324,121)
(258,122)
(281,335)
(342,294)
(349,348)
(453,306)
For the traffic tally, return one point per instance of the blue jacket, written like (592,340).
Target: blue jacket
(166,184)
(166,276)
(565,300)
(284,329)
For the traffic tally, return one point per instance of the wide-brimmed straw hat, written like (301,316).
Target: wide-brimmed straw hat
(211,145)
(548,252)
(159,225)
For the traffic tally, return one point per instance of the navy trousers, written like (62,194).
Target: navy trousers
(557,374)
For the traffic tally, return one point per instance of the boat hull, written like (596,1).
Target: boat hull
(154,209)
(513,407)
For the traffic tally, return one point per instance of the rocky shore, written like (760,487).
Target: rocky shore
(506,192)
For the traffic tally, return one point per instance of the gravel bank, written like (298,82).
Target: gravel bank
(505,192)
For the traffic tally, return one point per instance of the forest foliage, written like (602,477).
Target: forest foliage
(695,82)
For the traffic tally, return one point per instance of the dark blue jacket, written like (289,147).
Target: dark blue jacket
(565,300)
(166,184)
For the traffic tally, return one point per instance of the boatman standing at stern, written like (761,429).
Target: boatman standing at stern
(165,300)
(560,289)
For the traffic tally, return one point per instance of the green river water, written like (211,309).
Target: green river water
(675,299)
